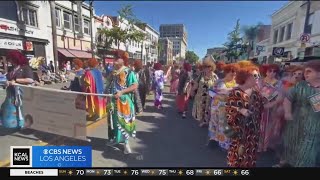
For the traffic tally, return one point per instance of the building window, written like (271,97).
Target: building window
(289,31)
(275,37)
(309,26)
(67,20)
(29,16)
(76,24)
(99,39)
(58,18)
(86,27)
(282,30)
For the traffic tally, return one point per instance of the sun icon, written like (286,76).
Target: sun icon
(70,172)
(180,172)
(235,172)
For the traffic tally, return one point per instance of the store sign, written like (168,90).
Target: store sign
(11,44)
(278,51)
(28,46)
(11,28)
(259,49)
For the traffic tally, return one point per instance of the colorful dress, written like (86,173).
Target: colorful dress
(201,105)
(268,137)
(11,114)
(246,127)
(302,134)
(174,80)
(218,112)
(93,83)
(121,116)
(158,86)
(184,86)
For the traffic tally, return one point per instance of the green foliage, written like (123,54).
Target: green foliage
(234,45)
(123,35)
(251,33)
(191,57)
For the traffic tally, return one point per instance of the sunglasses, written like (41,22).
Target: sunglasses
(256,76)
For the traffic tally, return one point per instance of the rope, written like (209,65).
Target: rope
(62,91)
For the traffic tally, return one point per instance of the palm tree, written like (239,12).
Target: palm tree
(251,33)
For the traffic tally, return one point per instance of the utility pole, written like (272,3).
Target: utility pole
(54,35)
(91,24)
(306,22)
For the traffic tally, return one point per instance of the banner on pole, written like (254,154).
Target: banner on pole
(54,112)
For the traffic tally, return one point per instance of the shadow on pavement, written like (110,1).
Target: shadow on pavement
(7,131)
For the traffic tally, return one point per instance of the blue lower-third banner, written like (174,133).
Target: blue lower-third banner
(61,156)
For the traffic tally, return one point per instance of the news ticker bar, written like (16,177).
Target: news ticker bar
(129,172)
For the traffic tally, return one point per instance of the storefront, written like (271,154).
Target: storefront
(65,55)
(19,37)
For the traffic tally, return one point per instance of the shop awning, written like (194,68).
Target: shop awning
(66,53)
(80,54)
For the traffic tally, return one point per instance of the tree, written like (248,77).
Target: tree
(216,56)
(125,35)
(251,33)
(234,45)
(191,57)
(160,49)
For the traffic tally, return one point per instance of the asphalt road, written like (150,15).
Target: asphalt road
(163,139)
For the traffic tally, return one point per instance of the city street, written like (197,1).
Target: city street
(164,139)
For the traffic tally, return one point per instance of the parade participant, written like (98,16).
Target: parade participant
(175,73)
(122,83)
(195,75)
(184,89)
(93,83)
(147,74)
(143,82)
(301,106)
(243,113)
(158,80)
(219,70)
(205,81)
(136,67)
(76,84)
(295,75)
(270,87)
(20,73)
(219,93)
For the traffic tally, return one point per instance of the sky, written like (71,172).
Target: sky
(207,22)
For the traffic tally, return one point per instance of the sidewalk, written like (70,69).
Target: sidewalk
(26,137)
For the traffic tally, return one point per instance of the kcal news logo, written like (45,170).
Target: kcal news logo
(21,156)
(51,156)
